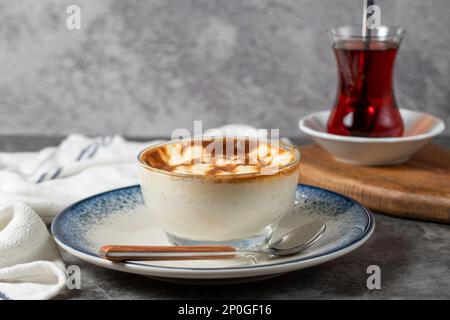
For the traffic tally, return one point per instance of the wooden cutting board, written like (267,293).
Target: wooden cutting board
(418,189)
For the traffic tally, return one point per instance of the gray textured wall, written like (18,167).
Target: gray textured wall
(147,67)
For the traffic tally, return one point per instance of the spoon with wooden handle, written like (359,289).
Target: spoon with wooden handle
(290,243)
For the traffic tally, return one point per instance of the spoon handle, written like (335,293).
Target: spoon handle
(118,253)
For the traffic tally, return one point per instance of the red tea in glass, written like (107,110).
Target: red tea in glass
(365,104)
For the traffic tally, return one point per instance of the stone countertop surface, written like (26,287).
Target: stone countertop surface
(414,258)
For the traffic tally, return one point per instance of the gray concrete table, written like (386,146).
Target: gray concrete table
(414,258)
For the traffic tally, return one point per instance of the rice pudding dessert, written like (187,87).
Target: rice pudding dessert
(219,190)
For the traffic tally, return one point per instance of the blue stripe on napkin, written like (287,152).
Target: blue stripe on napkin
(94,151)
(3,296)
(83,151)
(56,174)
(42,177)
(91,149)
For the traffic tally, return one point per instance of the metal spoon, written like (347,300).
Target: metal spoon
(290,243)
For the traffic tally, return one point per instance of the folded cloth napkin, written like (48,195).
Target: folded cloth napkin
(30,264)
(35,185)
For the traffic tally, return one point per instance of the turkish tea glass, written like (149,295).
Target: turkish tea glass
(365,105)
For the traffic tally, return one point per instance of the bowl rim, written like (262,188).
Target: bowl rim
(282,169)
(436,130)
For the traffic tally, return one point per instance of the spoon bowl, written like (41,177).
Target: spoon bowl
(298,239)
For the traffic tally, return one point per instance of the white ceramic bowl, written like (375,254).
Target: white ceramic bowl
(199,209)
(420,128)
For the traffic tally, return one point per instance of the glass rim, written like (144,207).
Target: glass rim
(144,165)
(354,32)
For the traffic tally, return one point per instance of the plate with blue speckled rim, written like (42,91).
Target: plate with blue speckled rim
(119,217)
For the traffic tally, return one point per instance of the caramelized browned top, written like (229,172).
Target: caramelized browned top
(218,156)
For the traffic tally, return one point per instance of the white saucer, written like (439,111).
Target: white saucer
(420,128)
(119,217)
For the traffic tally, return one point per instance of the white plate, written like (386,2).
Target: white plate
(420,128)
(119,217)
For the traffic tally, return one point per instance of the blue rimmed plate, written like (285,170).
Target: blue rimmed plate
(119,217)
